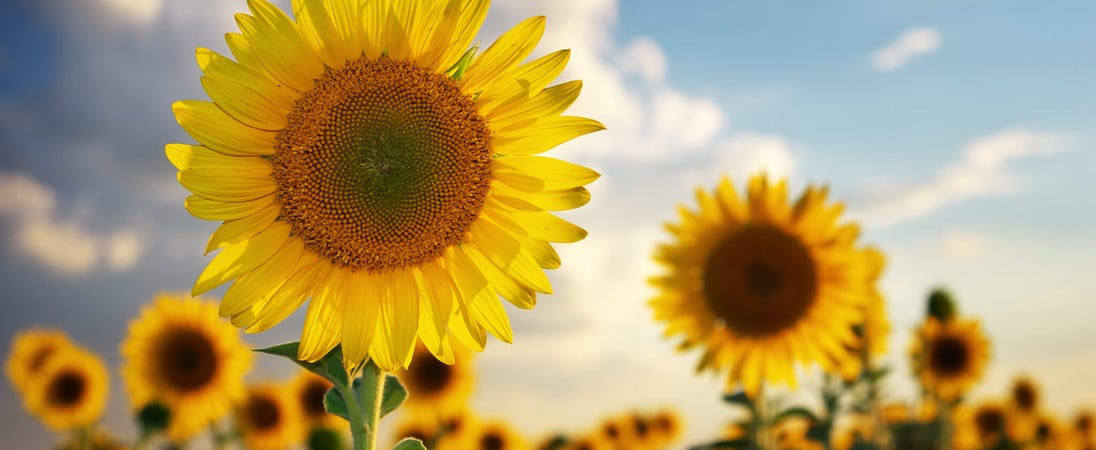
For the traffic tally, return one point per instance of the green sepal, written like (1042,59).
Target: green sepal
(877,374)
(456,72)
(797,411)
(739,398)
(409,444)
(330,366)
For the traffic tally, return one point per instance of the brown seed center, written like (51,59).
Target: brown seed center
(311,398)
(760,281)
(492,441)
(949,356)
(187,360)
(263,412)
(429,376)
(383,164)
(66,389)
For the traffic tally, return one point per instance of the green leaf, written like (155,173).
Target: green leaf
(739,398)
(330,366)
(457,70)
(877,374)
(394,395)
(409,444)
(797,411)
(335,404)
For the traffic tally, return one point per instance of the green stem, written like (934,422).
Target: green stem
(83,438)
(353,415)
(372,411)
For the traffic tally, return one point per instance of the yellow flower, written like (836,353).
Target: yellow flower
(949,357)
(667,425)
(496,435)
(269,418)
(70,391)
(761,284)
(179,353)
(30,350)
(618,431)
(457,431)
(435,388)
(309,389)
(363,156)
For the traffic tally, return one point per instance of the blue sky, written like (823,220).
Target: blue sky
(959,134)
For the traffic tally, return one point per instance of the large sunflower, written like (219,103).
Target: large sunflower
(949,357)
(30,350)
(179,353)
(435,388)
(761,284)
(364,156)
(269,418)
(70,391)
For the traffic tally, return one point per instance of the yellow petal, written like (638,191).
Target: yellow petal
(253,286)
(297,288)
(215,65)
(543,135)
(318,30)
(278,45)
(549,201)
(506,253)
(215,129)
(246,104)
(436,306)
(482,303)
(400,314)
(186,157)
(524,82)
(226,185)
(360,295)
(233,231)
(502,283)
(236,260)
(468,24)
(207,209)
(555,174)
(506,52)
(546,227)
(323,321)
(549,102)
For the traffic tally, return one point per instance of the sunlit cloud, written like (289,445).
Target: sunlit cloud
(909,45)
(745,154)
(979,172)
(64,246)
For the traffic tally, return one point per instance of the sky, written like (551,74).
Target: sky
(958,134)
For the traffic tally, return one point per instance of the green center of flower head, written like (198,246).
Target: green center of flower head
(759,281)
(383,165)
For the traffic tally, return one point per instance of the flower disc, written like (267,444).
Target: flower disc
(949,357)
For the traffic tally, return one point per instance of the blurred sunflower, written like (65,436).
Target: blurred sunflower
(30,350)
(418,426)
(618,431)
(949,357)
(99,440)
(594,441)
(668,425)
(269,418)
(1023,409)
(436,388)
(990,423)
(761,284)
(457,430)
(179,353)
(363,155)
(875,328)
(496,435)
(309,389)
(70,391)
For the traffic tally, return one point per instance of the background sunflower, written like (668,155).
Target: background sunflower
(70,391)
(949,357)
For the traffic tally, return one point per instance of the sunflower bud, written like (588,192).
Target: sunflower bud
(154,417)
(941,305)
(323,438)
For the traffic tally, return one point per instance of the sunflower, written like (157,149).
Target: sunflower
(30,350)
(365,156)
(179,353)
(309,389)
(989,421)
(761,284)
(269,418)
(1084,425)
(70,391)
(496,435)
(618,431)
(1023,409)
(436,388)
(590,441)
(949,357)
(875,327)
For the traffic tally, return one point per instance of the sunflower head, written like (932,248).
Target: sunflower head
(941,305)
(365,155)
(457,430)
(667,424)
(990,423)
(1025,395)
(70,390)
(180,354)
(435,387)
(269,418)
(308,390)
(496,434)
(1085,423)
(754,279)
(949,357)
(30,350)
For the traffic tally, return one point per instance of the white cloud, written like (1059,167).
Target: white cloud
(964,245)
(63,246)
(980,172)
(910,44)
(647,119)
(743,155)
(139,12)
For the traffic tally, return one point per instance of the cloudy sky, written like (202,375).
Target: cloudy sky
(960,135)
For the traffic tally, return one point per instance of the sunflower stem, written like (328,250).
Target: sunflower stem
(353,415)
(372,410)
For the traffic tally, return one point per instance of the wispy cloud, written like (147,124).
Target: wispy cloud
(63,246)
(744,154)
(909,45)
(980,171)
